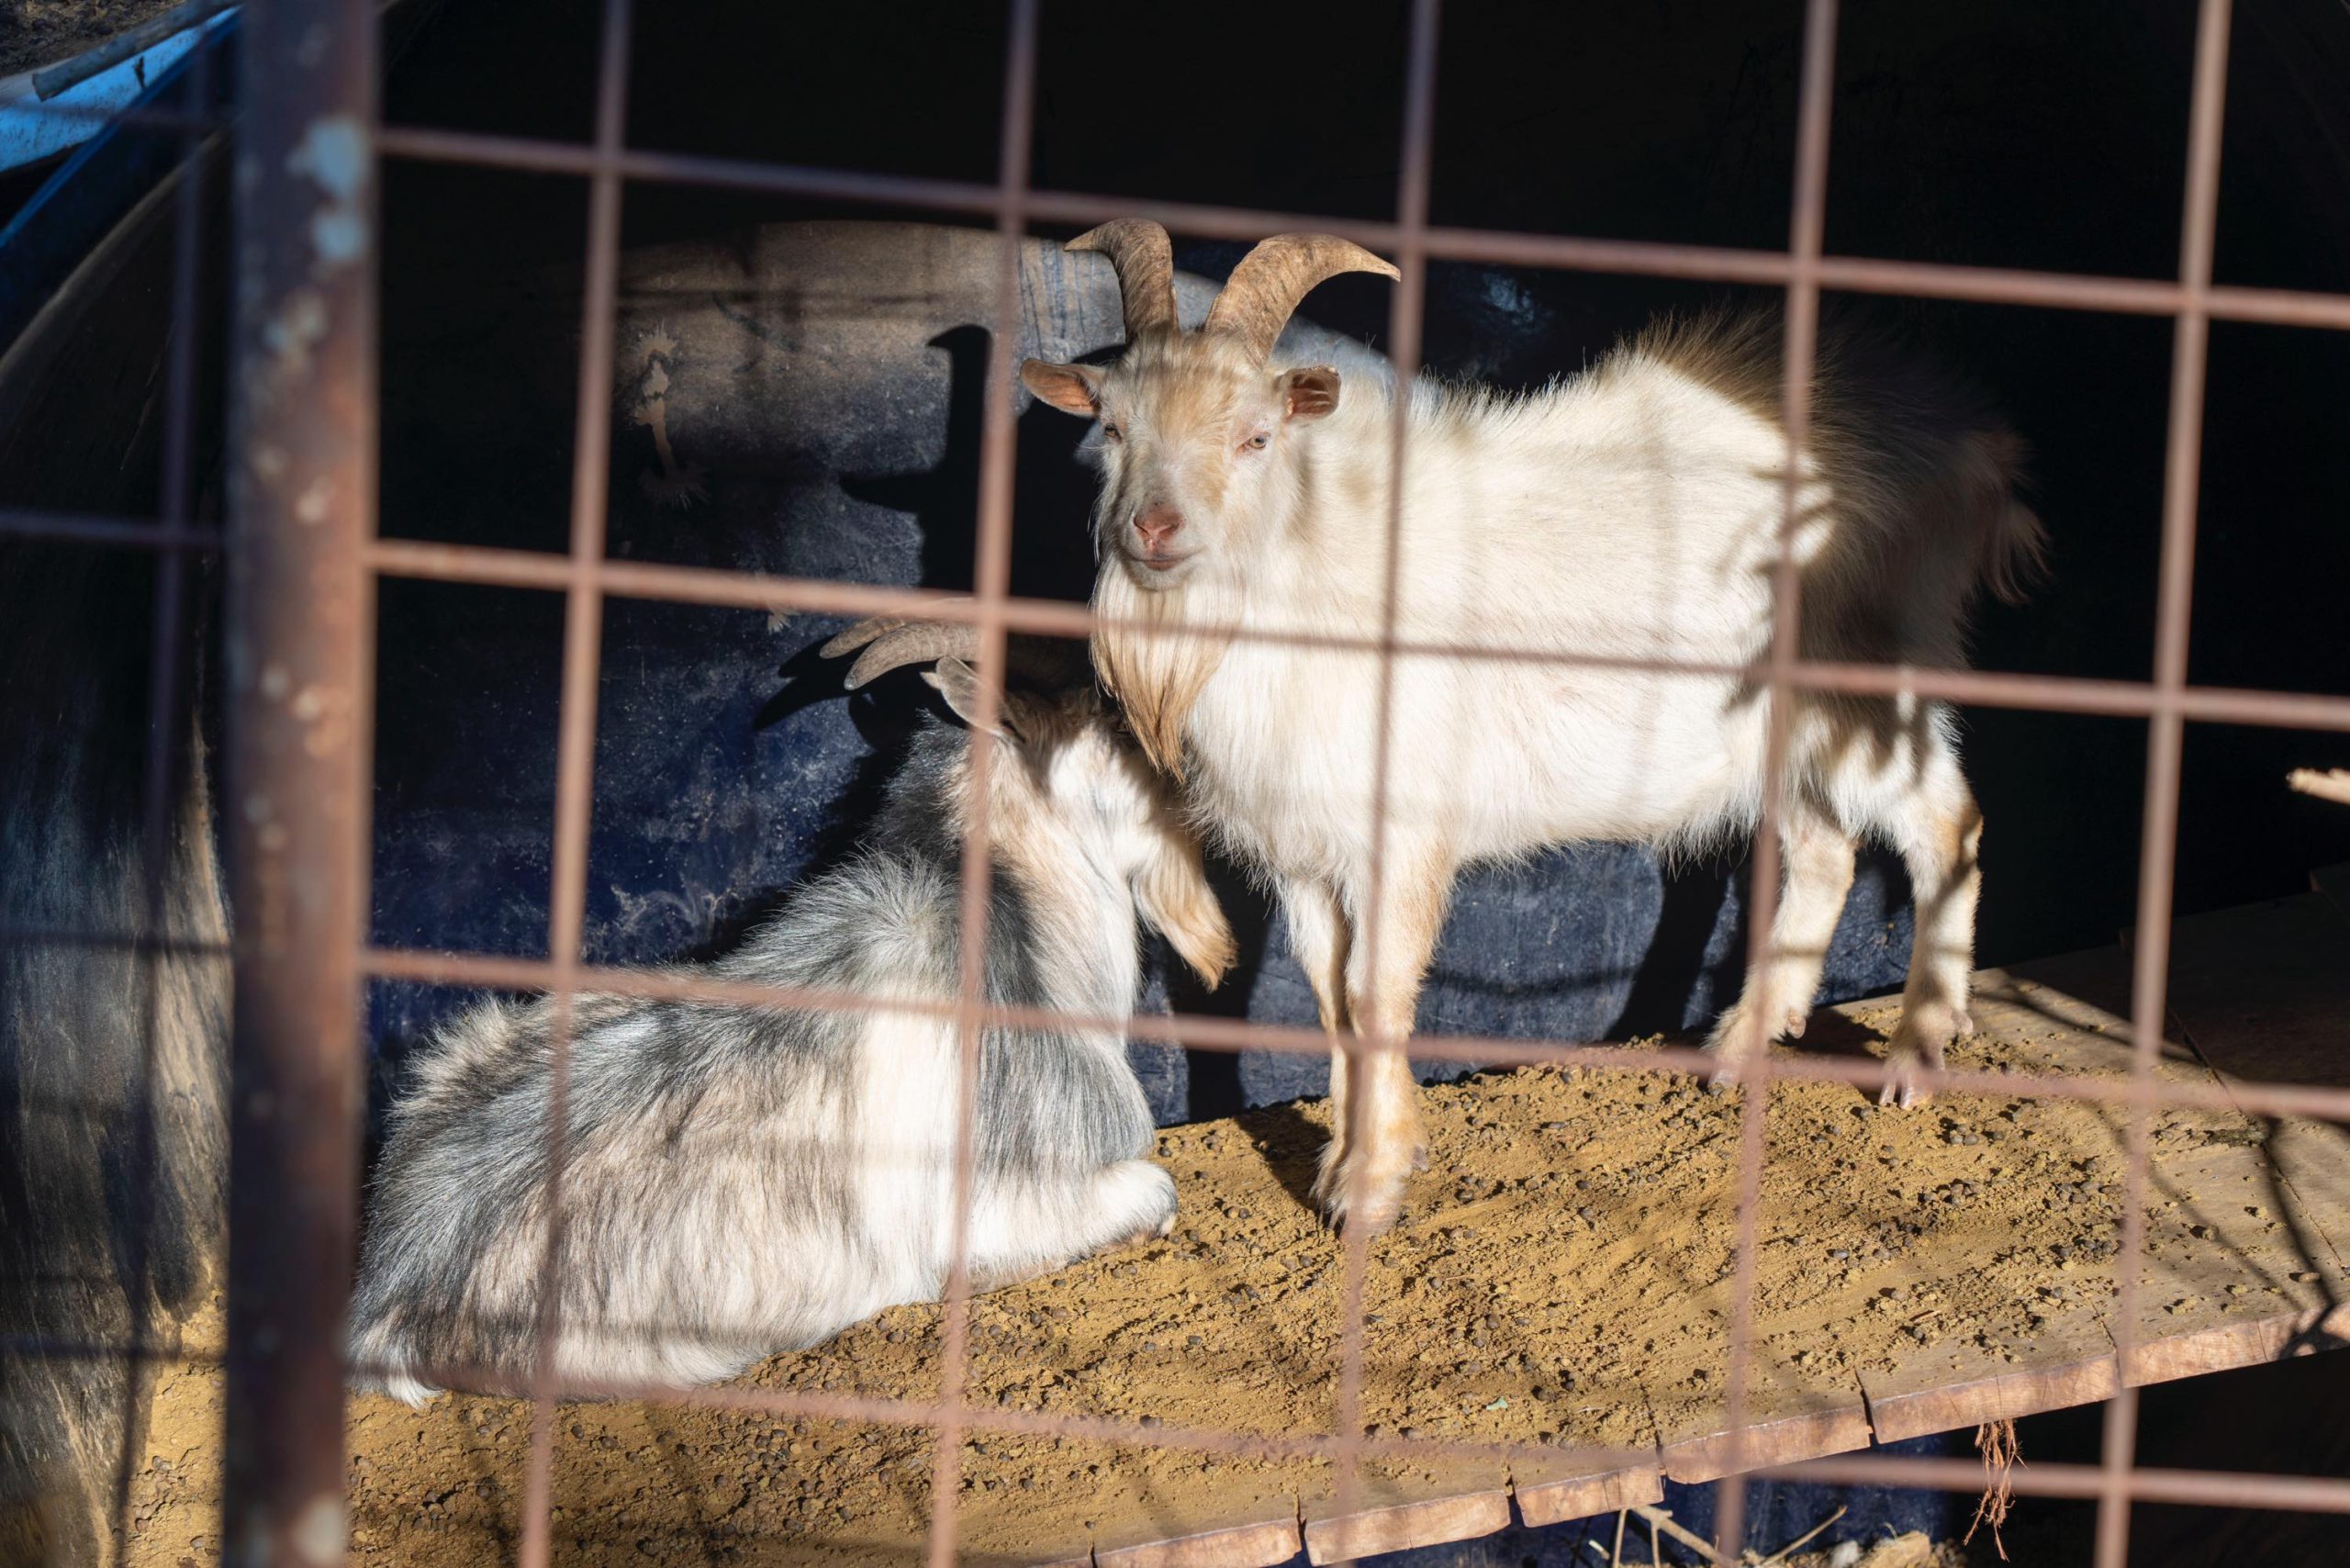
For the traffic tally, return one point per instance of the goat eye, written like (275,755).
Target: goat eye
(1256,442)
(1110,431)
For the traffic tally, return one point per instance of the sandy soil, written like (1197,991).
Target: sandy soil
(1563,1275)
(33,33)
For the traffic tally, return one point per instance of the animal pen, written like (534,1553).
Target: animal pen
(2188,1203)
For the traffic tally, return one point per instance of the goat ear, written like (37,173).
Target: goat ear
(1072,388)
(1310,393)
(959,684)
(1172,893)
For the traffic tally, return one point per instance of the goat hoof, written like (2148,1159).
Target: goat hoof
(1373,1217)
(1370,1203)
(1792,1026)
(1419,1157)
(1723,1079)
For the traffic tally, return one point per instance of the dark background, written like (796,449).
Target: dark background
(2019,135)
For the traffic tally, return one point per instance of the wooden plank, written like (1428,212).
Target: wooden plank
(2229,1280)
(2312,1162)
(1949,1394)
(2061,1015)
(1217,1511)
(1606,1460)
(1923,1270)
(2266,986)
(2263,994)
(1241,1546)
(1779,1439)
(1790,1409)
(2227,1277)
(2088,992)
(2070,1015)
(1404,1502)
(2225,1347)
(1430,1521)
(1553,1499)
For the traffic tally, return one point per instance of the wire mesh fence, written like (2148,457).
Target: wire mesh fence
(303,560)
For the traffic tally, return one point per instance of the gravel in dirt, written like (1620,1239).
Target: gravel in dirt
(1562,1274)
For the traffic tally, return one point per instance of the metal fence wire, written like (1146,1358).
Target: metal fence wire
(303,561)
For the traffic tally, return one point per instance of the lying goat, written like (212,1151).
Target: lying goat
(1630,513)
(741,1180)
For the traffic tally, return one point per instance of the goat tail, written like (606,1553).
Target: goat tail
(2015,553)
(2012,554)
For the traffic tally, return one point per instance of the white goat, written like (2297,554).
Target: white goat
(1630,512)
(744,1180)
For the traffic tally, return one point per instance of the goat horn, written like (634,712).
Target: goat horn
(1144,258)
(1264,289)
(892,642)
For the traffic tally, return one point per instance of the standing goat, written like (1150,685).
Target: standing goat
(740,1181)
(1630,514)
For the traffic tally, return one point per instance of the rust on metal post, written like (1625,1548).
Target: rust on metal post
(769,592)
(1406,315)
(576,748)
(992,546)
(1568,252)
(1807,226)
(301,508)
(166,670)
(1211,1032)
(2158,846)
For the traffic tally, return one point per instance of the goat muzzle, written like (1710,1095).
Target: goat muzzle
(1155,530)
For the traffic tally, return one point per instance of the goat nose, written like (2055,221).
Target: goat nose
(1157,525)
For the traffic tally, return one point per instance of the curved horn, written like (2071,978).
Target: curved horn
(1264,289)
(1144,258)
(892,642)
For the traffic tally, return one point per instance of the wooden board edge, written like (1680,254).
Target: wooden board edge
(2228,1346)
(1341,1538)
(1551,1502)
(1953,1407)
(1815,1434)
(1259,1545)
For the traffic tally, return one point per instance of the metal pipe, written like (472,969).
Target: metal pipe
(1806,229)
(302,495)
(2165,737)
(1633,258)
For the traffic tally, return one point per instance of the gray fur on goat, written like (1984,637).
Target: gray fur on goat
(739,1180)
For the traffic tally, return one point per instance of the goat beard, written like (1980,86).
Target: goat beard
(1150,661)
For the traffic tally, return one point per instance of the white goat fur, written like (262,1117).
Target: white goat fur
(740,1181)
(1630,512)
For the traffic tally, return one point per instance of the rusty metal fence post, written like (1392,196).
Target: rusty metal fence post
(302,468)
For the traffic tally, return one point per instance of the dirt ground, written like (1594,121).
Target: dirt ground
(1563,1275)
(33,33)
